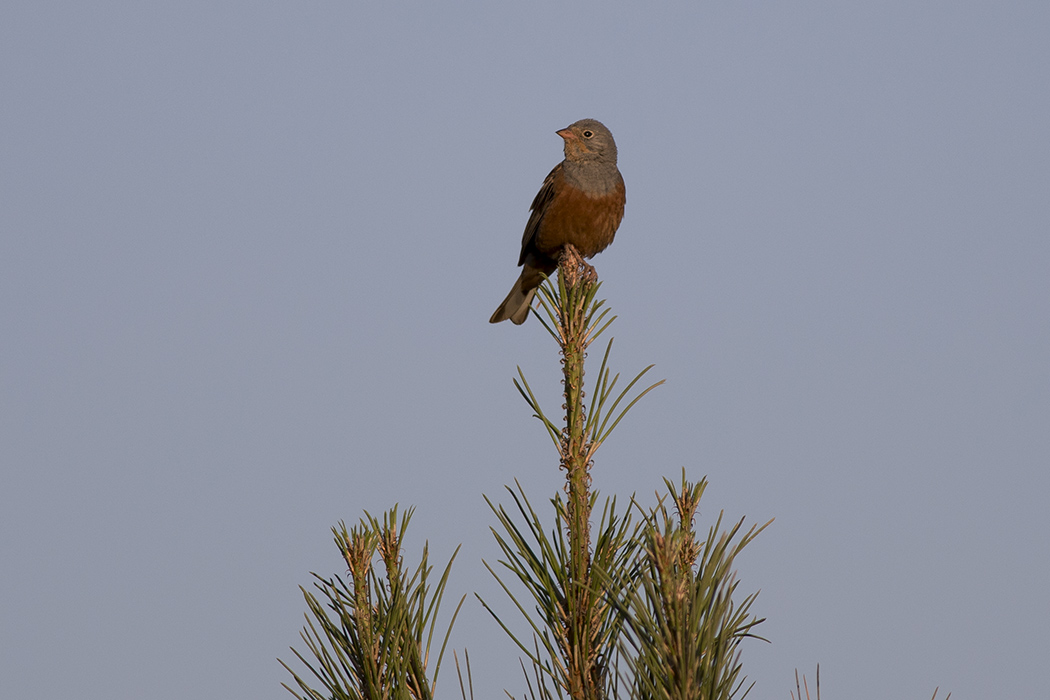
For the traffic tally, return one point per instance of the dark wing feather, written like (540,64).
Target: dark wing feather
(539,208)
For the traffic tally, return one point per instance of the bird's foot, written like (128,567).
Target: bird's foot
(574,267)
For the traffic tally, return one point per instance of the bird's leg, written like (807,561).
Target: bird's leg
(569,263)
(573,263)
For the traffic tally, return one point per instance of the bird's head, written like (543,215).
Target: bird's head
(588,140)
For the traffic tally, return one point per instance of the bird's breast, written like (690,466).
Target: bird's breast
(588,222)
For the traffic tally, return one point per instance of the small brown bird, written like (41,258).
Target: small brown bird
(581,202)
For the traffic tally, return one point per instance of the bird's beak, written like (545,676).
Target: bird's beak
(566,134)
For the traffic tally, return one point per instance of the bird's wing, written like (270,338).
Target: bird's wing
(539,208)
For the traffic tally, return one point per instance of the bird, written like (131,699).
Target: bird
(580,203)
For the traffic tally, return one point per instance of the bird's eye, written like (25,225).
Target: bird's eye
(587,133)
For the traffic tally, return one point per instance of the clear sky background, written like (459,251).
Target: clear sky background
(248,252)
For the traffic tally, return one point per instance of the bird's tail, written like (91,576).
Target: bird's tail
(516,305)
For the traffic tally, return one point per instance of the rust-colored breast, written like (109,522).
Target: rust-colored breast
(571,216)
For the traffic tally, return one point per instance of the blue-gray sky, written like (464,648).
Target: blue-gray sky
(248,252)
